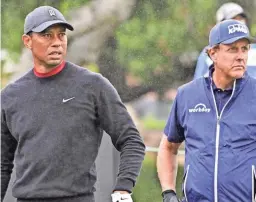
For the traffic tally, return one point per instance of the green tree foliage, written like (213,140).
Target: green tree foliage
(159,44)
(161,30)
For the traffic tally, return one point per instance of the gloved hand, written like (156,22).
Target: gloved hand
(118,197)
(169,196)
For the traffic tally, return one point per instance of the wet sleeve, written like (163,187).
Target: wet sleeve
(116,121)
(8,147)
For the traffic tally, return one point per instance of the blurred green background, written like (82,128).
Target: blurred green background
(152,49)
(148,188)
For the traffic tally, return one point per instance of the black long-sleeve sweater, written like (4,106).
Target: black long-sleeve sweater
(52,127)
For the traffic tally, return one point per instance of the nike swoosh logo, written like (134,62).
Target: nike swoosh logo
(66,100)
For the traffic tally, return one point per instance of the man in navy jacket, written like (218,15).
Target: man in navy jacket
(227,11)
(216,117)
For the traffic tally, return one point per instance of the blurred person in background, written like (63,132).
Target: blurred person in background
(215,116)
(227,11)
(52,122)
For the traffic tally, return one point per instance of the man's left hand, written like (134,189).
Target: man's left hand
(121,197)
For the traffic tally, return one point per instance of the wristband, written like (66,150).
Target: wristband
(168,191)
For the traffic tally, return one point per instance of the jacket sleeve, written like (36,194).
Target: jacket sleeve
(173,129)
(116,121)
(202,65)
(8,147)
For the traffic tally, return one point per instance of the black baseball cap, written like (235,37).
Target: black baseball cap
(43,17)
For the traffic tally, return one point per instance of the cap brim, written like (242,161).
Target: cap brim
(229,41)
(45,25)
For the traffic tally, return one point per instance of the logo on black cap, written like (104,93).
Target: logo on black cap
(52,13)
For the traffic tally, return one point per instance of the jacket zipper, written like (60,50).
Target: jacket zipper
(253,183)
(218,139)
(185,183)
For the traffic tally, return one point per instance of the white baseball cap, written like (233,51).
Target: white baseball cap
(228,11)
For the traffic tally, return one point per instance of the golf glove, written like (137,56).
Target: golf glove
(169,196)
(118,197)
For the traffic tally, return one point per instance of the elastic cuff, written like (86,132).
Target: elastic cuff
(168,191)
(124,185)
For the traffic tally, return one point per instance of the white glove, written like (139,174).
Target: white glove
(118,197)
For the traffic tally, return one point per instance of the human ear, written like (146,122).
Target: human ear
(27,41)
(213,53)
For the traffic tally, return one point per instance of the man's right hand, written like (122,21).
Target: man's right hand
(169,196)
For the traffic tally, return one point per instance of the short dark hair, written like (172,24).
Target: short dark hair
(29,33)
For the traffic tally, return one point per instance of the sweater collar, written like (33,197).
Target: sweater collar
(54,71)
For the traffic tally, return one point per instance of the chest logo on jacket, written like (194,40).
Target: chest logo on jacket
(199,108)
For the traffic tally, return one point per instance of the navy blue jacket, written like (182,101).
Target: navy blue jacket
(220,148)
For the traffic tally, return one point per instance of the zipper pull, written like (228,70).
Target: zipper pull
(218,119)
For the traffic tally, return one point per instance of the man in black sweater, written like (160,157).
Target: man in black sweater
(52,122)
